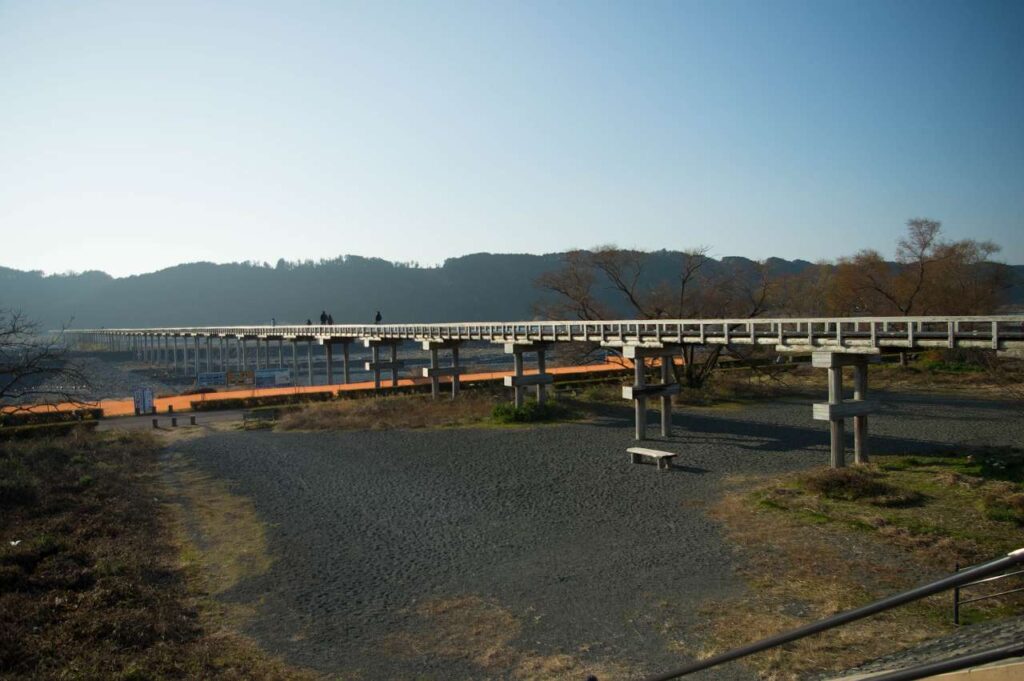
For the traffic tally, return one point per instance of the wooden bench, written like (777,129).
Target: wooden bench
(260,416)
(662,459)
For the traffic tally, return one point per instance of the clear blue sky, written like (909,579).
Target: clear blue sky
(137,135)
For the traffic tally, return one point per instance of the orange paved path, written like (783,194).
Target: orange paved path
(126,407)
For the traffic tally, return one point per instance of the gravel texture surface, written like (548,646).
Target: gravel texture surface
(593,556)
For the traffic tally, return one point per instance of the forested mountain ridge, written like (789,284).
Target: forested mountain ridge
(478,287)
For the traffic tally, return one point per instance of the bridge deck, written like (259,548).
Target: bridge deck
(840,334)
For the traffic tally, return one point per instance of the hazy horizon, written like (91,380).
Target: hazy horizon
(135,137)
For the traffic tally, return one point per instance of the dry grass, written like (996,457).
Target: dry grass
(822,542)
(398,411)
(91,581)
(482,633)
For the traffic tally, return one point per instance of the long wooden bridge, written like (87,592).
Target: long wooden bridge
(835,342)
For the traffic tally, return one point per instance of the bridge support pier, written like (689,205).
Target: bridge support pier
(309,362)
(376,365)
(836,410)
(640,390)
(519,381)
(329,344)
(435,371)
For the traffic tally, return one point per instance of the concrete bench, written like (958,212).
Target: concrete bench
(662,459)
(259,416)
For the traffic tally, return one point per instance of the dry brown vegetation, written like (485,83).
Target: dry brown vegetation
(819,542)
(396,411)
(482,633)
(91,579)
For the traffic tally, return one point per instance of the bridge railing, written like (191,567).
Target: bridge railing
(932,331)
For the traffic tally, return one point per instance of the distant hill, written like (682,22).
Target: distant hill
(479,287)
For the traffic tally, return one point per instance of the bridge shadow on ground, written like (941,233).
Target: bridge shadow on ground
(737,428)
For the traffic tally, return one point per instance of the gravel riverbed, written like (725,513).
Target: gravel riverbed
(592,556)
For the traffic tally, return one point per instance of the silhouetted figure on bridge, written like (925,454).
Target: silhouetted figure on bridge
(309,322)
(330,319)
(323,317)
(376,320)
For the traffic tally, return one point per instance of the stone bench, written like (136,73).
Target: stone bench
(259,416)
(662,459)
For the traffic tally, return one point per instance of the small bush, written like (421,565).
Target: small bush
(530,412)
(42,417)
(846,484)
(1004,502)
(43,430)
(266,401)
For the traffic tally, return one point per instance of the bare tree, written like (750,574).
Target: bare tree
(693,293)
(34,367)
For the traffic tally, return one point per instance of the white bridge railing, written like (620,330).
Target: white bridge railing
(865,334)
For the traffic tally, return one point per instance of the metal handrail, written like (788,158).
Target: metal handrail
(952,664)
(887,603)
(957,601)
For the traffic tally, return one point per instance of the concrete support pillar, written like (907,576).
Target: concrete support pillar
(295,362)
(394,365)
(860,422)
(245,360)
(641,390)
(259,353)
(375,364)
(436,371)
(519,381)
(280,353)
(666,400)
(517,367)
(541,369)
(345,366)
(640,401)
(837,457)
(209,349)
(435,387)
(196,340)
(309,363)
(836,410)
(174,354)
(222,355)
(329,348)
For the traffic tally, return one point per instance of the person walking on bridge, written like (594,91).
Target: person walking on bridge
(376,320)
(323,317)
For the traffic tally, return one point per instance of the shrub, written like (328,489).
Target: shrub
(40,417)
(265,401)
(45,430)
(846,484)
(530,412)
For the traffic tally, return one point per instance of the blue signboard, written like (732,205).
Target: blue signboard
(273,378)
(211,378)
(143,399)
